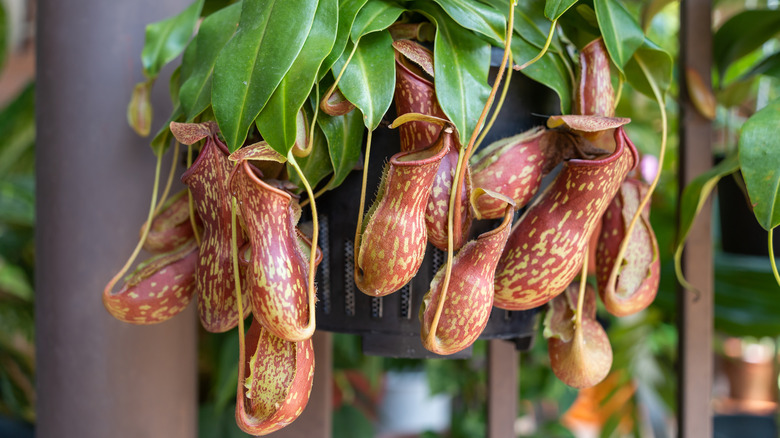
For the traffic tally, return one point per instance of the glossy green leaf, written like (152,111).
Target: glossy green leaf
(478,17)
(376,15)
(622,35)
(553,9)
(344,135)
(348,10)
(277,120)
(369,79)
(741,34)
(317,165)
(549,70)
(759,158)
(531,24)
(214,33)
(461,64)
(249,68)
(692,201)
(166,39)
(580,25)
(769,66)
(651,9)
(657,61)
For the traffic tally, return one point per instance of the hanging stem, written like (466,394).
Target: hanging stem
(359,228)
(544,49)
(772,257)
(454,207)
(236,276)
(314,119)
(193,223)
(581,295)
(332,88)
(630,229)
(314,236)
(169,182)
(145,231)
(500,104)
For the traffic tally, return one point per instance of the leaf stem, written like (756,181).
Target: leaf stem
(544,49)
(169,181)
(144,233)
(332,88)
(664,126)
(500,104)
(236,276)
(359,228)
(772,257)
(314,237)
(455,192)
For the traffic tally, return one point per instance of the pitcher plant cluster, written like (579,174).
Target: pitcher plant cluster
(276,101)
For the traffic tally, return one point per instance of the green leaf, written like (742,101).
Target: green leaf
(248,69)
(214,33)
(531,24)
(277,120)
(769,66)
(478,17)
(622,35)
(461,64)
(317,164)
(167,38)
(759,158)
(345,138)
(742,34)
(658,61)
(348,10)
(692,201)
(553,9)
(580,25)
(369,79)
(549,70)
(376,15)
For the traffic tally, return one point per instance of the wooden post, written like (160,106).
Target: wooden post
(695,310)
(98,377)
(502,388)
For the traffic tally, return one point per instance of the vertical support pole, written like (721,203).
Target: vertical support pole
(502,388)
(695,311)
(98,377)
(316,421)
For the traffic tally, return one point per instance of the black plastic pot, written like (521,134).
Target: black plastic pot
(390,325)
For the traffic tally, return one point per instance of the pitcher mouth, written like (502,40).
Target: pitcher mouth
(429,155)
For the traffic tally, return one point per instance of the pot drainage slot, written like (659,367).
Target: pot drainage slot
(349,280)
